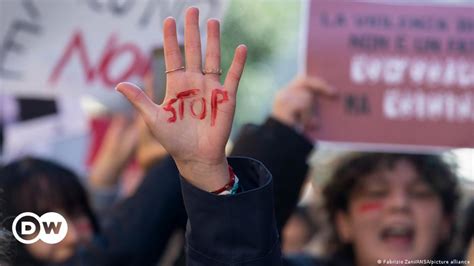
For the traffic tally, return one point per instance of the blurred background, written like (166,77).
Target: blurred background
(272,29)
(60,60)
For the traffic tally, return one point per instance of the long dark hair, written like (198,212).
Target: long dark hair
(39,186)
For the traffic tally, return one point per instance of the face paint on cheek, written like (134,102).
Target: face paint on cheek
(370,207)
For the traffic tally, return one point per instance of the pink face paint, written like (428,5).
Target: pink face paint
(370,206)
(181,96)
(202,115)
(215,102)
(169,108)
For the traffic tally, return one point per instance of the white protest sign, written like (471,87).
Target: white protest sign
(83,45)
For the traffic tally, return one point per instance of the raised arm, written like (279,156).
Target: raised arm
(280,143)
(193,124)
(194,121)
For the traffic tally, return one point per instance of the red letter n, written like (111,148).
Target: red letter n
(75,44)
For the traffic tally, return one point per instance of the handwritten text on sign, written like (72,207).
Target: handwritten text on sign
(76,46)
(139,64)
(405,74)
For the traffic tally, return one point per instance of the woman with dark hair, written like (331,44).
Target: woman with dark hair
(40,186)
(397,207)
(381,206)
(135,232)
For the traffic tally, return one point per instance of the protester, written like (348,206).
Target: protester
(439,186)
(137,230)
(116,150)
(392,207)
(38,186)
(406,201)
(298,231)
(126,151)
(404,210)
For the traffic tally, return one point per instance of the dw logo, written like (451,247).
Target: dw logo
(50,228)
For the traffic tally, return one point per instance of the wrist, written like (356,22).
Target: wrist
(103,175)
(205,175)
(231,187)
(285,118)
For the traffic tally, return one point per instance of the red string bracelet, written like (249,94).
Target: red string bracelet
(229,185)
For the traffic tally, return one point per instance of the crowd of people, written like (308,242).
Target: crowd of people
(382,208)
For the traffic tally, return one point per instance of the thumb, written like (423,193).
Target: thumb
(138,98)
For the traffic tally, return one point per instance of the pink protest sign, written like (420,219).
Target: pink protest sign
(404,73)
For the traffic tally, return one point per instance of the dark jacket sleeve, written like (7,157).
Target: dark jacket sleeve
(234,229)
(284,152)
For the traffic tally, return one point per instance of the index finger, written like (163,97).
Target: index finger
(173,59)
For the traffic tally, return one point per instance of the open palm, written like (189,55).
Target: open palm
(194,121)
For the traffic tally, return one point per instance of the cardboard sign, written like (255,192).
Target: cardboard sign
(82,45)
(74,52)
(404,73)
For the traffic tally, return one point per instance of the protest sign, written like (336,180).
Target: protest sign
(404,73)
(79,46)
(73,53)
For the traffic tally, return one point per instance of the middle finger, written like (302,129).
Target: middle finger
(192,40)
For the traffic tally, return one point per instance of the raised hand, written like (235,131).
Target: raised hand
(294,104)
(194,121)
(117,149)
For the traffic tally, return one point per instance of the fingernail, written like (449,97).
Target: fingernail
(169,18)
(117,87)
(193,7)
